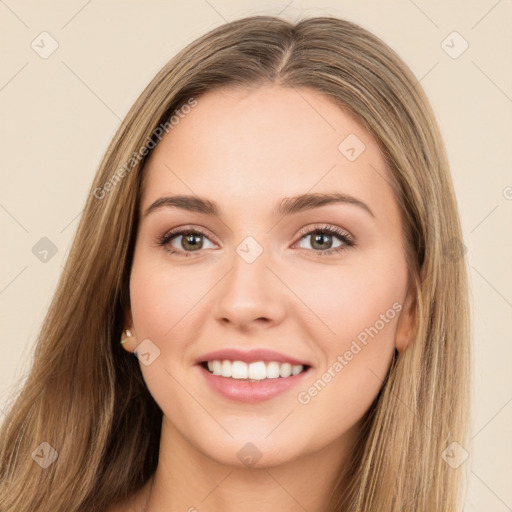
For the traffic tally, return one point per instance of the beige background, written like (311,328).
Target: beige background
(58,114)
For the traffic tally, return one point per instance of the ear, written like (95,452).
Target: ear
(406,322)
(129,342)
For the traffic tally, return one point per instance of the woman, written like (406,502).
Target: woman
(273,234)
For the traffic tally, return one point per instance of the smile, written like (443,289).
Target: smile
(251,382)
(256,371)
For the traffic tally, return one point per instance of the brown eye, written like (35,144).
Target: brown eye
(184,242)
(191,241)
(323,240)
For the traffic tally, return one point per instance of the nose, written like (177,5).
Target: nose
(250,295)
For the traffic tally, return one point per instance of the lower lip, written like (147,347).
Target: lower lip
(242,390)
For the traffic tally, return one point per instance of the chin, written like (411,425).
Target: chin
(256,451)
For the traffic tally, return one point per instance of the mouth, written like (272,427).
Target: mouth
(253,372)
(252,382)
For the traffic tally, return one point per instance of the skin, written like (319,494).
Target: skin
(245,150)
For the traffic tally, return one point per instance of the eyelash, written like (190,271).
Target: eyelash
(345,237)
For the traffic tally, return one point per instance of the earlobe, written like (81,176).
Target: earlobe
(126,340)
(406,322)
(127,336)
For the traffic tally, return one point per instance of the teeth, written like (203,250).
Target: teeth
(253,371)
(239,369)
(225,368)
(296,369)
(285,370)
(272,370)
(216,368)
(257,371)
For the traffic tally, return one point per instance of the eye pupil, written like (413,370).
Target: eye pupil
(192,240)
(318,237)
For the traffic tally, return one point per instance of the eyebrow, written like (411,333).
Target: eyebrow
(286,206)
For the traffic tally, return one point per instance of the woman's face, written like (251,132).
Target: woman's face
(253,275)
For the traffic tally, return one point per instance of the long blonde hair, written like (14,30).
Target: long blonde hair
(85,396)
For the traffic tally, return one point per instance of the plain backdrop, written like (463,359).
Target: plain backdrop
(71,70)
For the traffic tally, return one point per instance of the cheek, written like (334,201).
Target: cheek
(361,299)
(361,305)
(364,306)
(160,302)
(162,297)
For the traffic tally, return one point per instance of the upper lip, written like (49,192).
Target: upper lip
(250,356)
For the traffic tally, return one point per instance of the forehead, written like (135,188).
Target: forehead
(255,145)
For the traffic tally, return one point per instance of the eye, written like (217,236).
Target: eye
(189,240)
(322,238)
(186,241)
